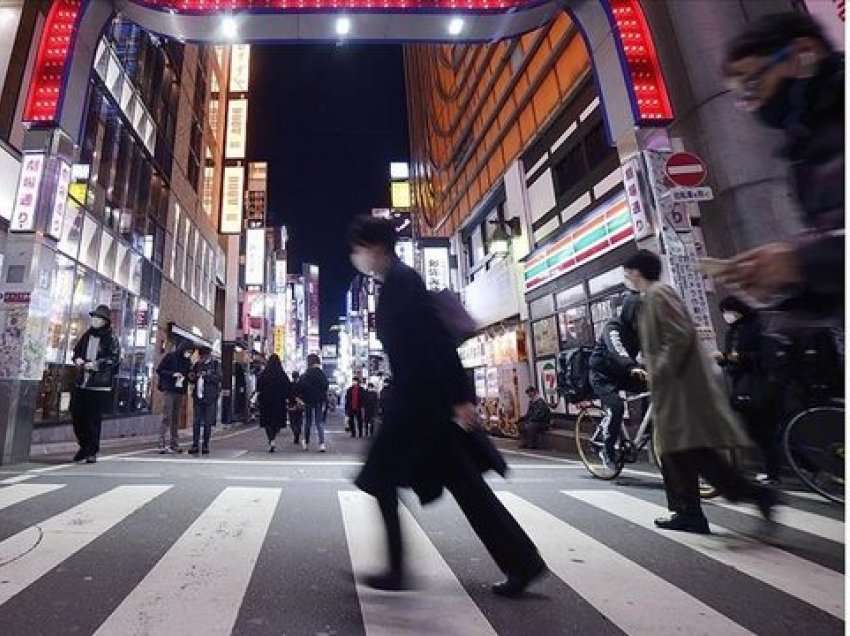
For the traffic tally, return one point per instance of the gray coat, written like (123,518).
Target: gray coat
(690,409)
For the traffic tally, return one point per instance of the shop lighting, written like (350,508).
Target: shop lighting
(343,26)
(229,28)
(455,26)
(500,241)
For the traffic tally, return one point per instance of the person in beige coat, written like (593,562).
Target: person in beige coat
(692,419)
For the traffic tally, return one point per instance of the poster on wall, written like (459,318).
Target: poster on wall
(547,378)
(546,336)
(231,205)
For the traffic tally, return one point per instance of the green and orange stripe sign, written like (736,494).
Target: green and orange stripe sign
(608,228)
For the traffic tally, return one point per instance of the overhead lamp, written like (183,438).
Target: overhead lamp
(343,26)
(500,241)
(455,26)
(229,27)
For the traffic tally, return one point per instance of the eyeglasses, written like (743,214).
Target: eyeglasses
(747,87)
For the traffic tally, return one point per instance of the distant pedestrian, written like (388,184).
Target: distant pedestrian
(355,404)
(206,376)
(97,355)
(313,390)
(537,419)
(385,397)
(370,409)
(173,372)
(430,439)
(274,390)
(295,409)
(692,419)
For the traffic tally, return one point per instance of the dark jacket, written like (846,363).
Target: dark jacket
(313,387)
(210,371)
(385,398)
(349,394)
(274,392)
(815,148)
(172,363)
(108,358)
(616,351)
(370,405)
(748,375)
(418,438)
(539,412)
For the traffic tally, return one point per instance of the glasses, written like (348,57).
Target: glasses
(746,87)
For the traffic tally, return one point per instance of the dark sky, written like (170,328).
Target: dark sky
(328,119)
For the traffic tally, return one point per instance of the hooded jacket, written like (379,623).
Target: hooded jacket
(174,362)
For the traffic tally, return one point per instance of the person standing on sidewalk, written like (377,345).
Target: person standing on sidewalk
(96,355)
(173,372)
(274,391)
(355,402)
(206,375)
(692,419)
(370,409)
(313,389)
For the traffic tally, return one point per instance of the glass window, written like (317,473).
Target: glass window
(606,281)
(491,224)
(89,245)
(108,253)
(477,244)
(545,337)
(542,306)
(596,146)
(124,258)
(62,291)
(570,296)
(71,229)
(83,303)
(602,311)
(575,328)
(570,170)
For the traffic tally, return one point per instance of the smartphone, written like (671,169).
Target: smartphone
(714,266)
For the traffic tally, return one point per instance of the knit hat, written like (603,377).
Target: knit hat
(102,311)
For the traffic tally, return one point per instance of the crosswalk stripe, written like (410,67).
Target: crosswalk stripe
(198,586)
(810,582)
(810,496)
(440,606)
(10,495)
(633,598)
(819,525)
(33,552)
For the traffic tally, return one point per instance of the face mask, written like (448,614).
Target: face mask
(187,354)
(362,263)
(97,322)
(730,317)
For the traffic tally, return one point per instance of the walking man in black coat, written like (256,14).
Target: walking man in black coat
(428,440)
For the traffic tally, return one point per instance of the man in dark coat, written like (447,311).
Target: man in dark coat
(428,439)
(97,355)
(206,376)
(173,372)
(370,410)
(313,390)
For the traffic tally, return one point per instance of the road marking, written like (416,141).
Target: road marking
(810,496)
(15,494)
(238,462)
(198,586)
(440,605)
(33,552)
(18,479)
(539,456)
(810,582)
(819,525)
(632,597)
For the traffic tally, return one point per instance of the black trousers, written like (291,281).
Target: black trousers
(682,470)
(762,428)
(87,417)
(508,544)
(531,434)
(356,417)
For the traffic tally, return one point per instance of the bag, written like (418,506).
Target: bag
(574,375)
(454,317)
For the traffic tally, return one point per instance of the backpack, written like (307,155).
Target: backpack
(453,315)
(574,375)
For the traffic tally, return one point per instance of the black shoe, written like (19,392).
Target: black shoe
(515,586)
(389,582)
(80,456)
(91,459)
(766,501)
(685,523)
(205,450)
(193,450)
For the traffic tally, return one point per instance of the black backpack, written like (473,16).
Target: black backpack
(574,375)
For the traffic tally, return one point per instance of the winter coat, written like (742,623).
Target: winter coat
(539,413)
(748,374)
(384,399)
(418,437)
(370,404)
(349,406)
(174,362)
(210,371)
(313,387)
(614,356)
(107,360)
(690,409)
(274,393)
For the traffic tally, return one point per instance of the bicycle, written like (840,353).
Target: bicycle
(591,423)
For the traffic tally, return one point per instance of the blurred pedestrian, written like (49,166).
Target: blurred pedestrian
(752,392)
(97,355)
(295,409)
(429,439)
(173,372)
(385,397)
(370,409)
(785,71)
(274,390)
(692,419)
(355,403)
(313,390)
(537,419)
(206,376)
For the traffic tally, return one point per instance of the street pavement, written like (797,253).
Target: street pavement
(251,543)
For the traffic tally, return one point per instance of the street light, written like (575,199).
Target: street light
(343,26)
(505,231)
(455,26)
(229,28)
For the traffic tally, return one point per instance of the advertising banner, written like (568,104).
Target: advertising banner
(312,281)
(26,201)
(240,67)
(237,128)
(436,268)
(255,255)
(60,201)
(231,205)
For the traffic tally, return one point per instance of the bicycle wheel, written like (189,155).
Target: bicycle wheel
(814,446)
(706,490)
(589,436)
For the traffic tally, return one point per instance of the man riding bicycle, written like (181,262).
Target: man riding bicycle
(614,368)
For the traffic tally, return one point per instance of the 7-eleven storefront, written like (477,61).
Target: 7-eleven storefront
(571,286)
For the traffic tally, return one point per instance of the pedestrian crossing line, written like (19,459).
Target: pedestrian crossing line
(632,597)
(33,552)
(10,495)
(819,525)
(197,587)
(810,496)
(440,605)
(812,583)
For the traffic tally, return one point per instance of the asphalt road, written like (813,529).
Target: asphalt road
(247,542)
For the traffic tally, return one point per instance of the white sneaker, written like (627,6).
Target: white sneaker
(303,445)
(322,448)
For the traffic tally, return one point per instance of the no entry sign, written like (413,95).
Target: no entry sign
(685,169)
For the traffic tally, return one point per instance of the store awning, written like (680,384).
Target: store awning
(189,335)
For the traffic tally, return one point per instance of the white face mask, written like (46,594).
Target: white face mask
(187,354)
(730,317)
(97,322)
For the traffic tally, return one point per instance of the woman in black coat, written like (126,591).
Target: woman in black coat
(426,441)
(274,390)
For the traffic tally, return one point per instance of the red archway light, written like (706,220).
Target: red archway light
(649,91)
(212,6)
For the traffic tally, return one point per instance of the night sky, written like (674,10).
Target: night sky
(328,119)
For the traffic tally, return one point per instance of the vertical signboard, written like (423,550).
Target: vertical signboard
(237,128)
(240,67)
(436,268)
(26,200)
(255,255)
(311,276)
(231,205)
(60,201)
(632,182)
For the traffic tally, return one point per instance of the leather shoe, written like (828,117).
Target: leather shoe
(696,524)
(767,500)
(389,582)
(515,586)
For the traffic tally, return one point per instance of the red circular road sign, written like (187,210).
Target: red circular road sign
(685,169)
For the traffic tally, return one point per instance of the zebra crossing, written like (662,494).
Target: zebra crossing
(203,577)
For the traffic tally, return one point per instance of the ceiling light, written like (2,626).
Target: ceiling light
(455,26)
(229,28)
(343,26)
